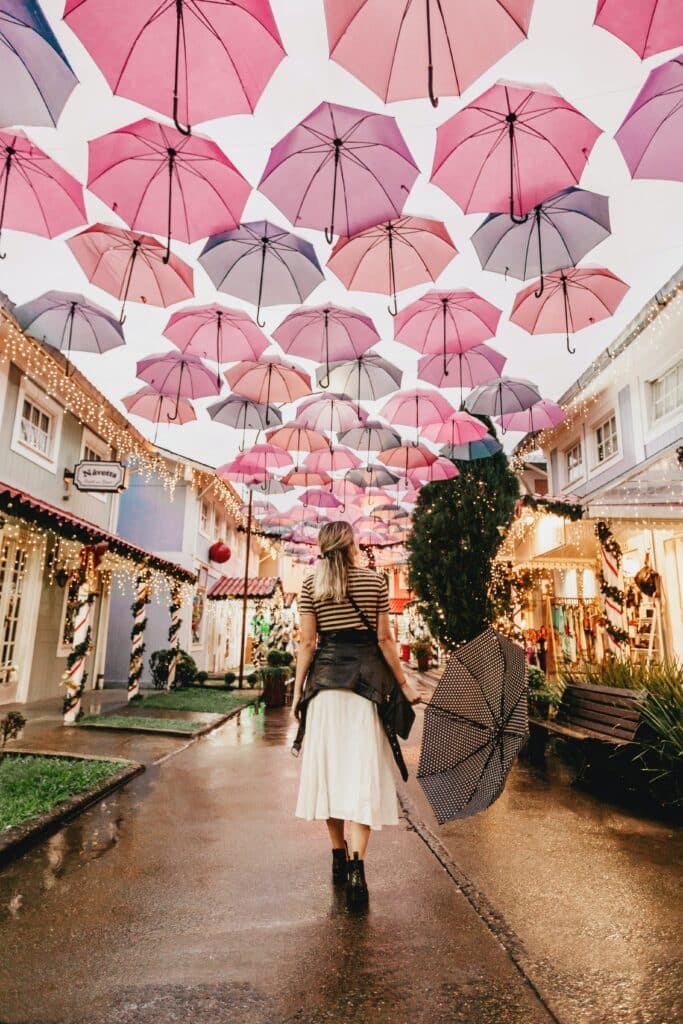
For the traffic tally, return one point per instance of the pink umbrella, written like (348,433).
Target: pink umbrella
(162,181)
(393,256)
(406,457)
(264,456)
(331,460)
(647,26)
(538,416)
(330,412)
(217,333)
(511,148)
(326,332)
(403,50)
(306,478)
(193,60)
(37,195)
(417,408)
(340,165)
(440,469)
(651,135)
(571,300)
(463,369)
(294,437)
(460,428)
(150,405)
(242,473)
(171,373)
(410,496)
(446,322)
(319,499)
(268,380)
(131,266)
(343,489)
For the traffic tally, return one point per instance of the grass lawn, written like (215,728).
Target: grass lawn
(30,785)
(219,702)
(140,721)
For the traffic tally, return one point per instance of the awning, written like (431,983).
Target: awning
(70,527)
(233,586)
(398,604)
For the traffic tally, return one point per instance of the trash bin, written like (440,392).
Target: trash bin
(405,652)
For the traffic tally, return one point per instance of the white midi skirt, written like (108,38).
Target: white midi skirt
(347,764)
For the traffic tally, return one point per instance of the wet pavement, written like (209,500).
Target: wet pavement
(193,894)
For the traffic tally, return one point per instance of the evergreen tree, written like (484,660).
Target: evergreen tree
(454,540)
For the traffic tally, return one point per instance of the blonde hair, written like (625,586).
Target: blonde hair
(337,543)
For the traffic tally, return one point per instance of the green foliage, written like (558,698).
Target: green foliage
(186,669)
(217,702)
(141,722)
(202,677)
(454,540)
(230,678)
(279,658)
(31,785)
(557,508)
(11,725)
(543,696)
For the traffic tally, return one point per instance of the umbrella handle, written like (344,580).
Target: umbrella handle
(434,100)
(264,243)
(392,272)
(183,129)
(329,235)
(8,167)
(393,310)
(541,286)
(177,399)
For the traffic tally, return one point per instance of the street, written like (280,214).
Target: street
(194,894)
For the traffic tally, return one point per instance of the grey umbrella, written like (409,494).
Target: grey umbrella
(474,726)
(371,436)
(373,476)
(244,414)
(70,322)
(501,396)
(556,234)
(483,448)
(366,378)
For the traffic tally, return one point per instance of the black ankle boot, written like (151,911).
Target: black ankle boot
(356,886)
(340,859)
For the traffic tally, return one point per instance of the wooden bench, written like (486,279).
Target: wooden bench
(591,715)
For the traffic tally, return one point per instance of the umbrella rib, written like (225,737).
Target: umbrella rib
(154,16)
(10,46)
(671,113)
(194,9)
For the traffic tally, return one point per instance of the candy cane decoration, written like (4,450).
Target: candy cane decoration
(174,633)
(74,677)
(612,587)
(137,636)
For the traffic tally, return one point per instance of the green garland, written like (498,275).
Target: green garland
(566,509)
(136,660)
(175,606)
(75,654)
(613,548)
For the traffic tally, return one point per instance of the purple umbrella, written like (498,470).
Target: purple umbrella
(502,396)
(558,233)
(340,165)
(326,331)
(651,134)
(36,79)
(70,322)
(330,412)
(263,264)
(319,498)
(217,333)
(368,377)
(462,369)
(171,373)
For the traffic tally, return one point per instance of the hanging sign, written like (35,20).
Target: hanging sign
(100,476)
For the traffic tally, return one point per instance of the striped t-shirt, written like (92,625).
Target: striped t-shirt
(369,591)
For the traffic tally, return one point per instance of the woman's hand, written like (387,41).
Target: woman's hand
(410,693)
(296,708)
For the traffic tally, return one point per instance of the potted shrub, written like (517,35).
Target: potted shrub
(230,678)
(274,677)
(186,669)
(544,699)
(422,652)
(202,678)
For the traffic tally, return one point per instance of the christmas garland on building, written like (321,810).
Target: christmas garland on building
(138,608)
(566,509)
(173,632)
(75,676)
(610,552)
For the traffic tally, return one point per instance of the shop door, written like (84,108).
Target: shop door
(13,560)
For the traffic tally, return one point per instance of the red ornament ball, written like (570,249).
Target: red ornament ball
(219,552)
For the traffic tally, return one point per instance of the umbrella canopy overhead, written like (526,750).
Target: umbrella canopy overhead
(559,232)
(463,369)
(372,436)
(70,322)
(406,457)
(243,414)
(327,333)
(262,264)
(505,395)
(393,256)
(131,267)
(651,135)
(404,50)
(268,379)
(265,456)
(441,469)
(417,408)
(36,79)
(181,376)
(331,412)
(538,416)
(340,170)
(167,183)
(193,60)
(460,428)
(647,26)
(217,333)
(446,322)
(571,300)
(474,727)
(483,448)
(331,460)
(150,405)
(38,196)
(511,148)
(367,377)
(294,437)
(371,476)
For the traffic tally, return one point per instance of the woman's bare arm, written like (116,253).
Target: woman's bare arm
(385,639)
(307,644)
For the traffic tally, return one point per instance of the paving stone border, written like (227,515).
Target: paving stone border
(16,840)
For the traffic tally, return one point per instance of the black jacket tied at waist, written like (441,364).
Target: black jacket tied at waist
(348,659)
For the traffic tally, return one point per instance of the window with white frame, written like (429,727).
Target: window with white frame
(219,526)
(606,439)
(37,427)
(205,517)
(573,462)
(667,392)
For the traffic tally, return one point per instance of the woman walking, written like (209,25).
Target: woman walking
(346,774)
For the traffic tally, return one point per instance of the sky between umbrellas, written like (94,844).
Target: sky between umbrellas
(590,68)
